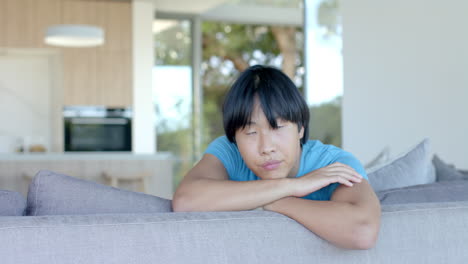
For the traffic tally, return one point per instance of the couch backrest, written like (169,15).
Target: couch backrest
(411,233)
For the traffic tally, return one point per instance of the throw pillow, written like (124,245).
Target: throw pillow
(52,193)
(11,203)
(381,158)
(446,191)
(446,172)
(411,168)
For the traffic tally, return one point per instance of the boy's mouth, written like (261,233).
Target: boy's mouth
(271,165)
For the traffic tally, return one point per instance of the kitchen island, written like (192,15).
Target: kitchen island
(149,173)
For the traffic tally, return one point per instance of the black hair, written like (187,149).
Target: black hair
(278,96)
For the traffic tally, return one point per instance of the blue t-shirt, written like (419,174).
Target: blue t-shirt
(315,155)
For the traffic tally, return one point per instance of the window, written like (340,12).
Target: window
(173,91)
(324,74)
(198,57)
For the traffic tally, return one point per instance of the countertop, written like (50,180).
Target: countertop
(86,156)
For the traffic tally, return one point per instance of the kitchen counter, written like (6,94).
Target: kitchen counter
(17,169)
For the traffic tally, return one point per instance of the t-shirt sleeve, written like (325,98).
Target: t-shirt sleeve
(348,159)
(227,153)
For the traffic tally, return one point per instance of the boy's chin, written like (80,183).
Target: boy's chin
(273,176)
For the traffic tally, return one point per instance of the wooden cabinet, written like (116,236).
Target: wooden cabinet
(91,76)
(101,75)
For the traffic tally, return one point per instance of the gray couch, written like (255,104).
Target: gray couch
(68,220)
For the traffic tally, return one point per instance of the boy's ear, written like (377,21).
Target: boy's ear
(301,132)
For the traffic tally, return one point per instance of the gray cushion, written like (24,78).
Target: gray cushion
(381,158)
(11,203)
(446,172)
(446,191)
(411,168)
(52,193)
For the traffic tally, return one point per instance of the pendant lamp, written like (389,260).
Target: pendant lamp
(74,36)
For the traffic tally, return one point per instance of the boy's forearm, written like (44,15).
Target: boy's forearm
(343,224)
(220,195)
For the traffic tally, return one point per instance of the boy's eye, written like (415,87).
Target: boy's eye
(251,133)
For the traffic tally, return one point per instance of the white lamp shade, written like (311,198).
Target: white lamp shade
(74,36)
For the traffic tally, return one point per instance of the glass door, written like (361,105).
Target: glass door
(172,80)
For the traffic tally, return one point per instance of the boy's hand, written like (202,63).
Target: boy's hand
(317,179)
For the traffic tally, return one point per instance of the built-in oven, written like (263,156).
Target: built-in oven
(97,128)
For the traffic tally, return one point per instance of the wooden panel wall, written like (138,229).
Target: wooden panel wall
(91,76)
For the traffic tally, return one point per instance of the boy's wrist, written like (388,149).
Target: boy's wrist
(284,188)
(289,186)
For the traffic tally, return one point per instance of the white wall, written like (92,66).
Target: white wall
(27,99)
(406,76)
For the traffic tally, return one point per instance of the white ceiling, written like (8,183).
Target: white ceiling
(187,6)
(236,11)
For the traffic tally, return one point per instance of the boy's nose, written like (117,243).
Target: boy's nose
(266,145)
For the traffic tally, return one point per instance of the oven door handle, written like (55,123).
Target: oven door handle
(99,121)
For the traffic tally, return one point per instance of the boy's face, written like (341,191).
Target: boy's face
(270,153)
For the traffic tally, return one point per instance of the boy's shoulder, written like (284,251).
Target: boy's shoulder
(221,145)
(317,147)
(224,141)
